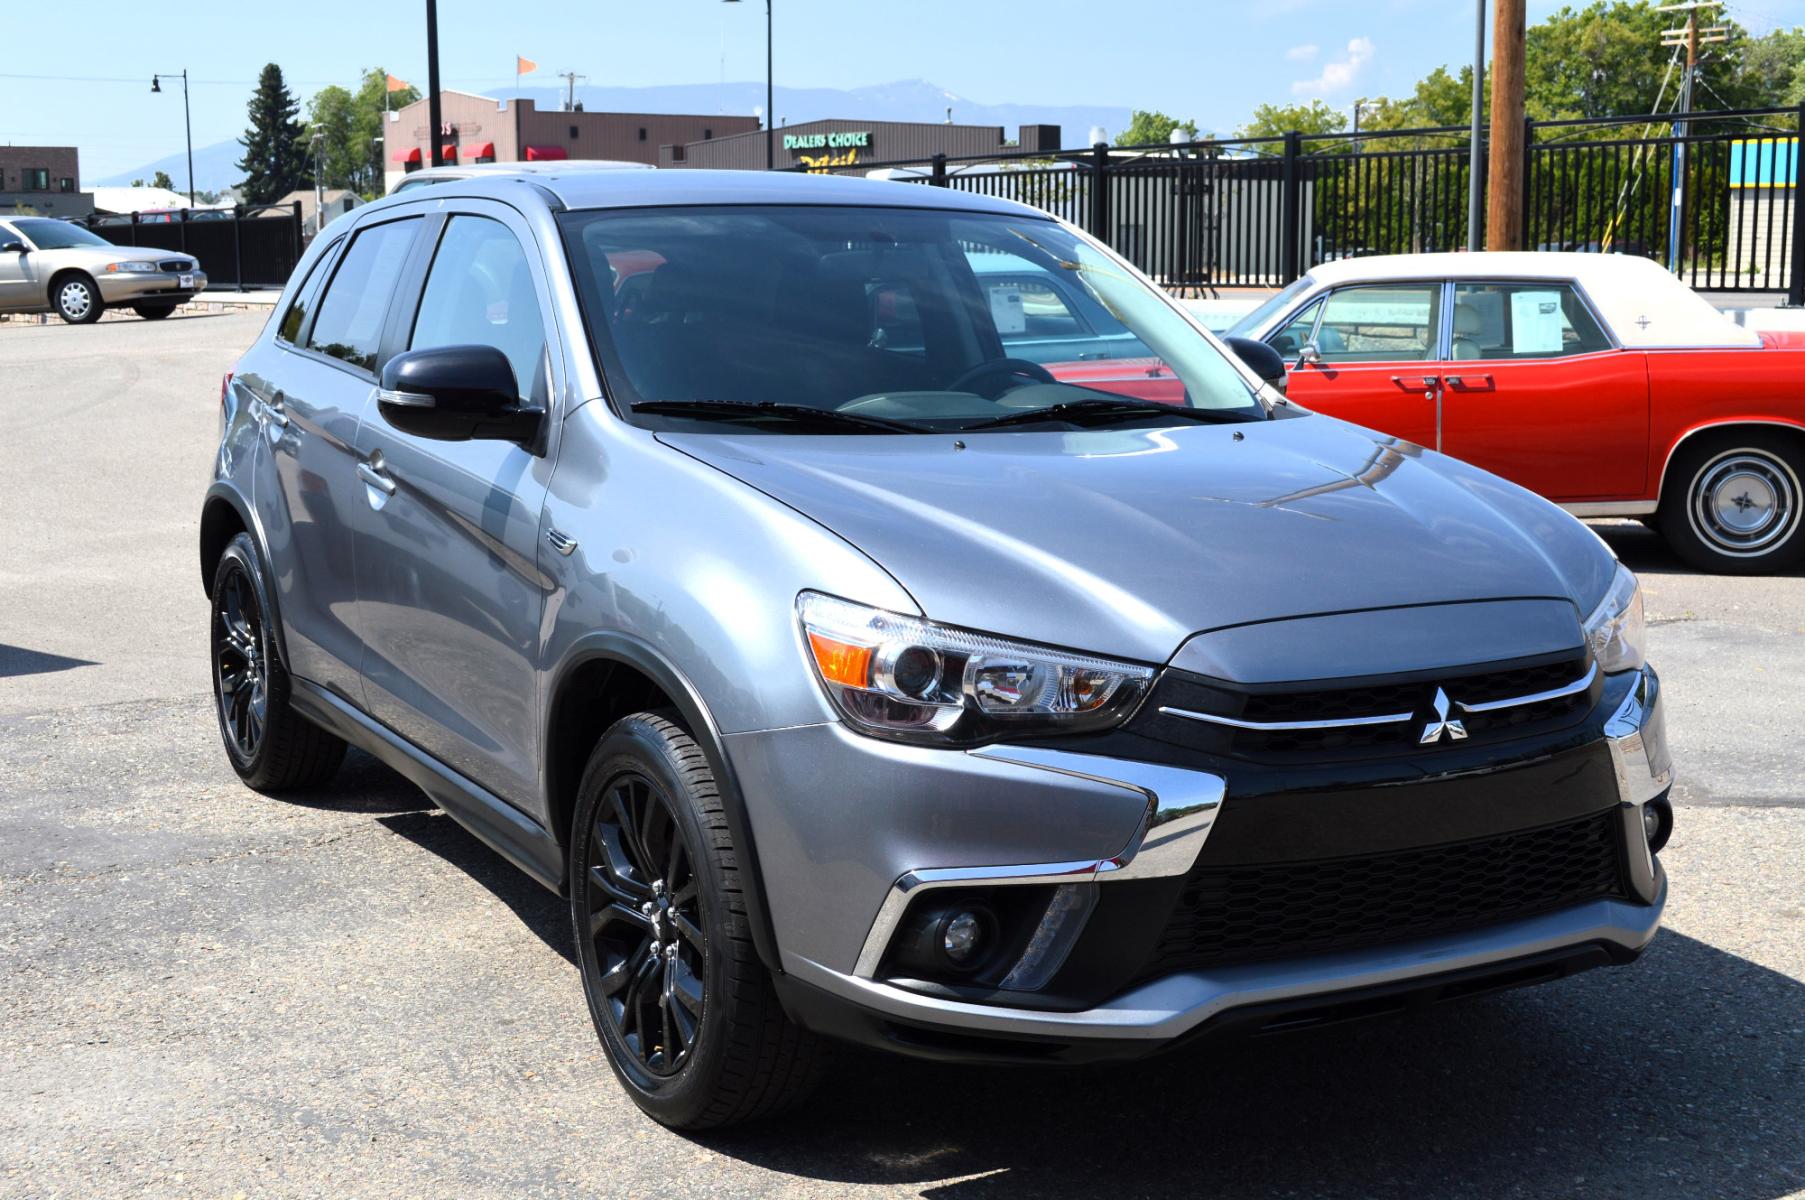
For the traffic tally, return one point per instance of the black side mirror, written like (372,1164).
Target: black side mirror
(456,394)
(13,248)
(1266,362)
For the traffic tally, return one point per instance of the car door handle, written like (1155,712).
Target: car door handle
(1470,382)
(371,473)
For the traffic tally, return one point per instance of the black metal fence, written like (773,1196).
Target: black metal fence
(241,247)
(1258,212)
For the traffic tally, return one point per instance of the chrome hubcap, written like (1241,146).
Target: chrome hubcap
(75,299)
(1744,503)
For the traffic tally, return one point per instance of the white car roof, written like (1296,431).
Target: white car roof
(1646,307)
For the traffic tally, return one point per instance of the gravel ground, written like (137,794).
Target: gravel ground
(206,992)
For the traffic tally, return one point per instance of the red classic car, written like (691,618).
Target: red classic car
(1599,381)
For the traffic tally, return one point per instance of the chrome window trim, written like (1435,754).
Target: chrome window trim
(1612,508)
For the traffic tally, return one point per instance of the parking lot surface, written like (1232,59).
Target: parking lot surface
(206,992)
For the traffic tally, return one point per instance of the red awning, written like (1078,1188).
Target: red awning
(481,151)
(409,156)
(449,151)
(545,153)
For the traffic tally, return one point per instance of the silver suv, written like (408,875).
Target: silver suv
(713,547)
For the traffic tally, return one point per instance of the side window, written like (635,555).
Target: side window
(1289,340)
(295,319)
(480,293)
(349,325)
(1389,323)
(1522,320)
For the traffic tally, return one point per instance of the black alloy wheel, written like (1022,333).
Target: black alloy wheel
(645,923)
(239,664)
(271,746)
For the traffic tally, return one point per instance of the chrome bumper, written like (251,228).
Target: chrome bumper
(1181,807)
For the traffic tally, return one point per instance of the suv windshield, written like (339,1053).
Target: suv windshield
(48,234)
(907,319)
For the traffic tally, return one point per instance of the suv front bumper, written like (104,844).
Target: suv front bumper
(1108,821)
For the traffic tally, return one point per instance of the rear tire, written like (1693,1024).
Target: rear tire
(271,746)
(76,298)
(684,1009)
(153,312)
(1734,502)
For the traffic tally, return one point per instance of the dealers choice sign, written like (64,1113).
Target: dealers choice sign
(853,140)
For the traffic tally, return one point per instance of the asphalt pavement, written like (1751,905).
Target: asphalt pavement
(206,992)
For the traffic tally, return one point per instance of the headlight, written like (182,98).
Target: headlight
(132,268)
(1615,628)
(903,677)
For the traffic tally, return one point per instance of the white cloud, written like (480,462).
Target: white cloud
(1304,53)
(1338,73)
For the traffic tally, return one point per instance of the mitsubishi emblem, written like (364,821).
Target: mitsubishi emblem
(1432,732)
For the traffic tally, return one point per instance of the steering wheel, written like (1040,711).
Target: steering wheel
(1004,369)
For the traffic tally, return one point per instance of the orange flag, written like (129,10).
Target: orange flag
(524,66)
(398,85)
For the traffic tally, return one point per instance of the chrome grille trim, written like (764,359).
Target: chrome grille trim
(1281,726)
(1572,689)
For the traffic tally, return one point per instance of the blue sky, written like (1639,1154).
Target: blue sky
(1213,61)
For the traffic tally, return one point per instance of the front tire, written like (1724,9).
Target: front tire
(1734,503)
(76,298)
(684,1009)
(271,746)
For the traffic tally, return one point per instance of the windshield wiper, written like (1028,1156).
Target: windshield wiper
(801,414)
(1079,411)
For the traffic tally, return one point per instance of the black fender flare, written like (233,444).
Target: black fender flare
(650,662)
(221,491)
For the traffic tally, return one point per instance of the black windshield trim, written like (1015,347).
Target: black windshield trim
(1079,411)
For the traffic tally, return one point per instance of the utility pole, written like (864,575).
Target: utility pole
(1691,37)
(1475,170)
(433,115)
(570,88)
(1510,150)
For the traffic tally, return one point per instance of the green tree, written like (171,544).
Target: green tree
(1153,129)
(370,127)
(275,159)
(161,179)
(1273,120)
(332,118)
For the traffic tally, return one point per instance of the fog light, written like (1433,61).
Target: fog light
(962,937)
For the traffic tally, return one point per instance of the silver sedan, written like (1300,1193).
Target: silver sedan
(48,265)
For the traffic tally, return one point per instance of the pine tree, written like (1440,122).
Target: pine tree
(275,159)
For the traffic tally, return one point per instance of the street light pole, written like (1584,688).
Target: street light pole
(187,123)
(770,116)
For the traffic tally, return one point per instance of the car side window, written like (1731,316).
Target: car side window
(1296,333)
(295,319)
(479,292)
(1380,323)
(1523,320)
(349,325)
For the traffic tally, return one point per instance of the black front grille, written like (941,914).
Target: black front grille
(1288,703)
(1234,914)
(176,266)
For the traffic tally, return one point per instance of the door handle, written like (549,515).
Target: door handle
(1426,382)
(1480,382)
(371,473)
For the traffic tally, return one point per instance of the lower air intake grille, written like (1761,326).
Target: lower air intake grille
(1238,914)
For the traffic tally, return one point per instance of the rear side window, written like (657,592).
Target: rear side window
(349,325)
(1523,320)
(295,319)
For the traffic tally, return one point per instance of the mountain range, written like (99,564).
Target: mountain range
(216,165)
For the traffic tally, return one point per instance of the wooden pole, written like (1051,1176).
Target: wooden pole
(1504,204)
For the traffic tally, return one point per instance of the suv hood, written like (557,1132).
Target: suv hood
(1126,542)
